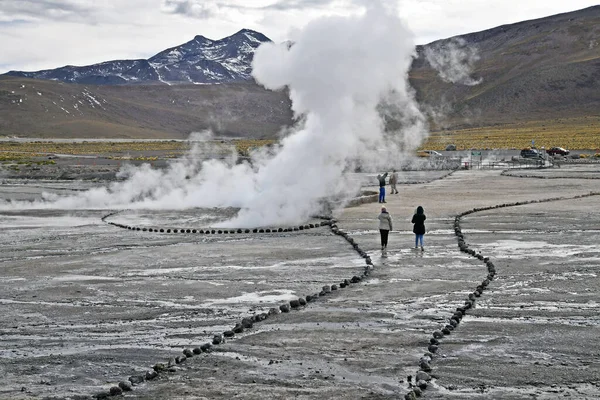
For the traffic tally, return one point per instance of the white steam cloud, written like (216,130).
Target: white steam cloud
(453,60)
(347,78)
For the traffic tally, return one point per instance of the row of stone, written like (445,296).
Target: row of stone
(244,324)
(213,231)
(506,173)
(423,376)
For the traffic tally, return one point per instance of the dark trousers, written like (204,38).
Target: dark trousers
(384,237)
(381,194)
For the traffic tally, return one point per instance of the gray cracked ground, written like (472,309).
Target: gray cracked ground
(85,305)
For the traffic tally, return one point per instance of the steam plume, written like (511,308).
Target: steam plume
(454,60)
(347,78)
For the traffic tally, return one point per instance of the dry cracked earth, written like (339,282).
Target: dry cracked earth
(86,305)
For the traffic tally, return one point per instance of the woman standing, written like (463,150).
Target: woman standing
(419,227)
(385,226)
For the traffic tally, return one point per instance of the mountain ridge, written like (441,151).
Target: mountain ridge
(537,70)
(197,61)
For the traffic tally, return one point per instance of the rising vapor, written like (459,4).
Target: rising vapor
(347,79)
(453,60)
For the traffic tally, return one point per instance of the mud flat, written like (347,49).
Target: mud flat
(86,305)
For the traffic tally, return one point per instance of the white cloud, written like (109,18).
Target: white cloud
(38,34)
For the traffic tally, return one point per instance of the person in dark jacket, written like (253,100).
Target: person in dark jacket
(419,227)
(381,179)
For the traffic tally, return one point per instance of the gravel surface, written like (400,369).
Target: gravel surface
(87,305)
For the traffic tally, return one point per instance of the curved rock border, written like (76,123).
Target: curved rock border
(210,231)
(246,323)
(506,173)
(423,376)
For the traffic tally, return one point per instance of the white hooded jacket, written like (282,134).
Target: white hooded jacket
(385,221)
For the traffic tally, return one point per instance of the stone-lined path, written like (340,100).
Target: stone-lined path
(365,340)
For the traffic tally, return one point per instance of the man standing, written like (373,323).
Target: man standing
(381,179)
(394,181)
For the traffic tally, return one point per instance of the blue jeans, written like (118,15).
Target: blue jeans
(418,238)
(381,194)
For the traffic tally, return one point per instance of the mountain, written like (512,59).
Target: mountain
(50,109)
(198,61)
(538,71)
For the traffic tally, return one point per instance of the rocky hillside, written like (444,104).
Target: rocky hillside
(198,61)
(533,70)
(538,70)
(39,108)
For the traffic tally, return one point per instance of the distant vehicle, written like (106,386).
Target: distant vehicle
(428,153)
(451,147)
(531,153)
(557,150)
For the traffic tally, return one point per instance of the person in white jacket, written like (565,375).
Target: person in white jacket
(385,226)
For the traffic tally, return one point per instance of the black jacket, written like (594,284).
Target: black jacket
(381,179)
(419,220)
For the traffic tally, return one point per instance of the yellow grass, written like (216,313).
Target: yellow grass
(169,148)
(573,134)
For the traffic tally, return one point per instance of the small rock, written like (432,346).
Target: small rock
(197,350)
(247,323)
(188,353)
(151,375)
(125,386)
(136,379)
(422,376)
(217,339)
(425,366)
(410,396)
(438,335)
(159,367)
(284,308)
(206,347)
(228,334)
(422,384)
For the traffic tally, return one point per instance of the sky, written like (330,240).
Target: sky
(47,34)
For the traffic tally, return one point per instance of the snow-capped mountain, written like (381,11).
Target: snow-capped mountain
(200,60)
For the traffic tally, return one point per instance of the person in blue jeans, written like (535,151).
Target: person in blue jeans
(381,179)
(419,227)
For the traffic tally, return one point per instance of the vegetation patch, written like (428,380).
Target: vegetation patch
(573,134)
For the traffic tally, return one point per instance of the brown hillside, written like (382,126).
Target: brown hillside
(533,70)
(534,73)
(38,108)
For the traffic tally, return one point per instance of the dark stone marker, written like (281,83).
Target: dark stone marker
(217,339)
(136,379)
(284,308)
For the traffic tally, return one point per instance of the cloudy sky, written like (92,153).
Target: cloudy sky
(42,34)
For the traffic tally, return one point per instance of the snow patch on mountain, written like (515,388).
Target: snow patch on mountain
(199,61)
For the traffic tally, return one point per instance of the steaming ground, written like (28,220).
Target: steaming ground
(343,90)
(86,305)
